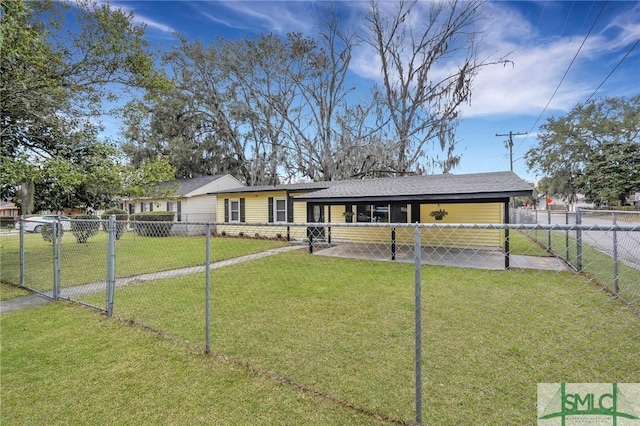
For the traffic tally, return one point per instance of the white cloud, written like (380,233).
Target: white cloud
(262,16)
(539,62)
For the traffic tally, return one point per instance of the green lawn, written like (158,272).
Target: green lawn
(86,263)
(598,266)
(342,327)
(10,291)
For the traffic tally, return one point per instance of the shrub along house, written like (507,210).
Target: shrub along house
(479,198)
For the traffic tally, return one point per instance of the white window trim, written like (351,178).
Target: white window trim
(275,210)
(231,201)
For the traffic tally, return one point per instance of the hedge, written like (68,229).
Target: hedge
(121,221)
(7,221)
(47,232)
(85,226)
(153,224)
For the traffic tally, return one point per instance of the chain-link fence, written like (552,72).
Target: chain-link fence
(598,247)
(440,324)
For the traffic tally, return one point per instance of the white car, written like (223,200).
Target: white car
(34,223)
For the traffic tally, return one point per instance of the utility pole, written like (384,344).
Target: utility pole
(510,142)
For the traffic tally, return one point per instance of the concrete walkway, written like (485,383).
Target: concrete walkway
(101,286)
(461,258)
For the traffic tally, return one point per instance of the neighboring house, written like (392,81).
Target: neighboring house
(634,199)
(191,202)
(473,198)
(9,209)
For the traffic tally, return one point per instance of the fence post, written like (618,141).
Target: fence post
(579,240)
(566,236)
(417,249)
(549,230)
(615,257)
(23,277)
(207,289)
(111,265)
(393,243)
(55,239)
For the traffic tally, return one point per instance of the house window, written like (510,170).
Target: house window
(280,209)
(142,208)
(372,213)
(234,210)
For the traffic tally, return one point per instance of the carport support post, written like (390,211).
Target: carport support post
(393,243)
(207,290)
(417,251)
(615,257)
(111,265)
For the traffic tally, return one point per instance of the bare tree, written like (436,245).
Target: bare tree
(428,58)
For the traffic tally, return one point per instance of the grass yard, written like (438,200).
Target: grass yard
(11,291)
(342,327)
(64,364)
(597,265)
(86,263)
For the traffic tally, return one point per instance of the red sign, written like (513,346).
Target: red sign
(549,201)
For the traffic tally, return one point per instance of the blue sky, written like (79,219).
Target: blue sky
(577,42)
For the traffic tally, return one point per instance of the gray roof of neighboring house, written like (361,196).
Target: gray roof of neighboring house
(431,187)
(291,187)
(185,186)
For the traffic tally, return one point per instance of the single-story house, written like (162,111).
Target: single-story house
(479,198)
(191,202)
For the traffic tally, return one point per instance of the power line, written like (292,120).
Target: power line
(510,142)
(613,70)
(569,67)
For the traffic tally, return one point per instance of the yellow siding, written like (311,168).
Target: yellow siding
(463,213)
(458,213)
(256,211)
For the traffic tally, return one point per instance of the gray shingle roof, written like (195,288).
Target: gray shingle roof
(447,186)
(292,187)
(442,187)
(185,186)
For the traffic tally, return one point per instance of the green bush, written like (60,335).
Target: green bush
(7,221)
(121,221)
(85,226)
(47,232)
(153,224)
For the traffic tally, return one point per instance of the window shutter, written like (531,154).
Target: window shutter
(226,210)
(289,209)
(179,211)
(270,209)
(241,209)
(150,207)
